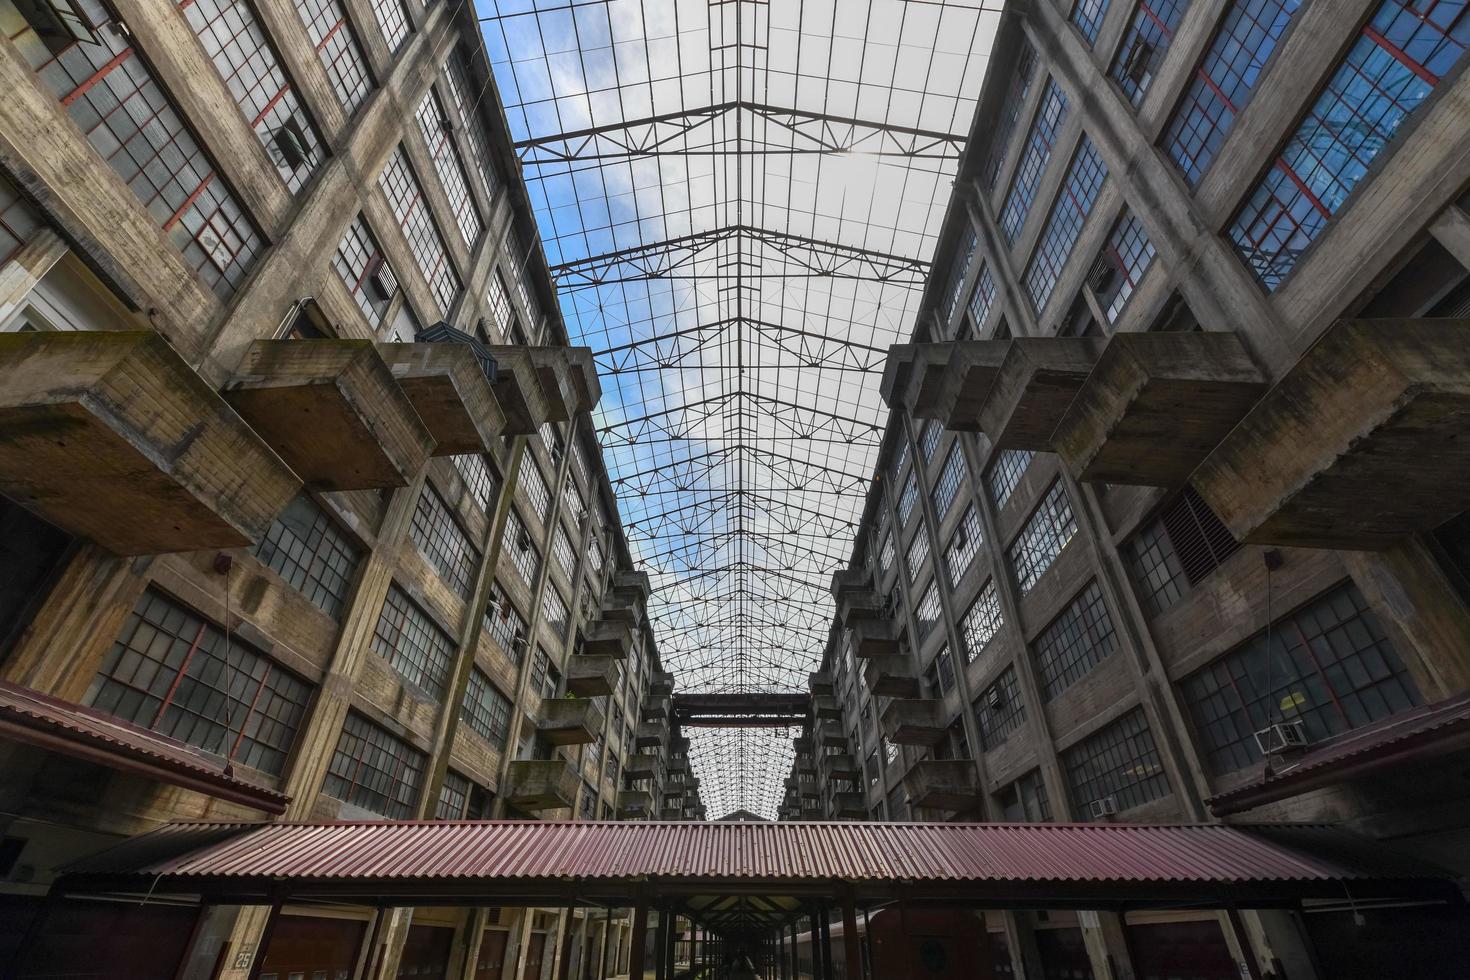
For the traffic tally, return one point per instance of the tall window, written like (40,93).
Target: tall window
(307,549)
(982,621)
(594,556)
(375,770)
(454,797)
(517,543)
(1177,550)
(1223,81)
(485,709)
(233,40)
(1006,472)
(112,95)
(1074,203)
(554,610)
(406,196)
(1144,45)
(983,298)
(998,710)
(444,543)
(1088,16)
(477,478)
(1121,762)
(918,554)
(929,438)
(1025,799)
(1396,62)
(507,627)
(1329,667)
(927,612)
(1129,253)
(907,500)
(1076,641)
(1049,119)
(947,487)
(1010,111)
(167,671)
(561,550)
(360,263)
(336,45)
(885,555)
(500,307)
(393,20)
(963,545)
(533,485)
(465,98)
(18,221)
(407,638)
(958,269)
(1042,539)
(437,131)
(901,457)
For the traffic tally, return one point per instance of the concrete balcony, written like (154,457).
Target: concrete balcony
(662,683)
(333,411)
(1155,405)
(634,804)
(570,721)
(855,596)
(913,375)
(849,806)
(656,709)
(674,791)
(842,765)
(945,381)
(821,684)
(448,387)
(876,638)
(650,734)
(811,811)
(830,735)
(891,677)
(803,743)
(914,721)
(641,765)
(608,638)
(622,606)
(1034,387)
(805,764)
(671,811)
(536,784)
(539,384)
(827,706)
(634,584)
(592,677)
(950,784)
(1359,444)
(679,745)
(696,812)
(807,790)
(112,436)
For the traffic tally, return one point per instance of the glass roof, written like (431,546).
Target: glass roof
(739,201)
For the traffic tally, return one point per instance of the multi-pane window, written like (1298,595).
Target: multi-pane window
(1074,202)
(315,556)
(1177,550)
(554,611)
(454,797)
(1088,16)
(885,555)
(1144,45)
(902,457)
(1223,81)
(587,807)
(544,676)
(1049,119)
(485,709)
(959,268)
(898,804)
(465,99)
(1010,112)
(594,555)
(408,639)
(531,483)
(1329,667)
(927,612)
(576,507)
(507,626)
(444,543)
(1006,472)
(438,136)
(1130,253)
(1121,762)
(1396,62)
(1042,539)
(477,478)
(170,671)
(908,499)
(998,710)
(963,545)
(929,438)
(374,770)
(121,108)
(982,621)
(1076,641)
(336,45)
(917,555)
(237,46)
(499,299)
(406,196)
(1025,800)
(516,254)
(364,270)
(947,487)
(983,298)
(18,221)
(517,543)
(941,671)
(393,21)
(561,550)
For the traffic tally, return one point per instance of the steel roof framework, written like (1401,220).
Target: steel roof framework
(739,200)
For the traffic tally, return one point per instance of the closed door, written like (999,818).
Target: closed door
(491,959)
(535,948)
(426,953)
(1181,951)
(309,948)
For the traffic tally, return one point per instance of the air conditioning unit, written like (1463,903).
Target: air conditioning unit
(1104,808)
(994,698)
(381,280)
(1281,737)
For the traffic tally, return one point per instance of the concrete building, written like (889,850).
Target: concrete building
(303,514)
(1169,520)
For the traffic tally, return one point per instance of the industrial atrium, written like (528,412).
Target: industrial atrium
(734,489)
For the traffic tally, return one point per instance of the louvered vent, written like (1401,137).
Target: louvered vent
(1200,541)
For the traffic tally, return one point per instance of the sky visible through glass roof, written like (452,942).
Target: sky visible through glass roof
(739,201)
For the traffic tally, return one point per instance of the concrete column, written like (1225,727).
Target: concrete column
(1025,956)
(1107,946)
(850,940)
(639,939)
(1281,944)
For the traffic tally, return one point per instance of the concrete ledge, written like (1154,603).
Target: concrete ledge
(1036,383)
(541,784)
(950,784)
(450,392)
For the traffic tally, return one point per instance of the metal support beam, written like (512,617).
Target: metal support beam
(637,949)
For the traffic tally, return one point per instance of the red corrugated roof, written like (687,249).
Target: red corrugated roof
(1420,732)
(49,723)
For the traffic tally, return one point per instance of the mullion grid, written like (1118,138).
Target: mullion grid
(999,721)
(1049,529)
(533,485)
(1120,761)
(375,770)
(506,626)
(947,487)
(959,269)
(444,543)
(122,109)
(1088,16)
(18,221)
(1010,114)
(554,610)
(1080,638)
(406,196)
(1153,565)
(517,543)
(336,44)
(354,262)
(917,555)
(1132,253)
(1025,799)
(393,21)
(964,545)
(983,298)
(1079,192)
(477,478)
(417,649)
(561,550)
(1005,473)
(316,557)
(981,621)
(454,797)
(436,129)
(456,77)
(241,53)
(907,500)
(926,613)
(1148,36)
(486,710)
(1050,116)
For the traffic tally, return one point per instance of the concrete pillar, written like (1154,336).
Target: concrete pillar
(1025,956)
(850,945)
(1107,946)
(638,943)
(1281,944)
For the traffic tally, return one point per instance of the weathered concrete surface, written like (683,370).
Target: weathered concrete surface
(914,721)
(570,721)
(949,784)
(1036,383)
(541,784)
(971,374)
(450,393)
